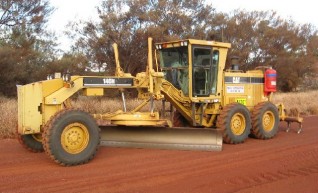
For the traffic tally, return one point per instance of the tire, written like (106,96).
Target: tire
(179,120)
(31,142)
(235,122)
(71,137)
(265,120)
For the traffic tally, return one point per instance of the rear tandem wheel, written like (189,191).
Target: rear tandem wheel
(265,120)
(235,122)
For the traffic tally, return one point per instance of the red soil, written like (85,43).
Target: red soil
(287,163)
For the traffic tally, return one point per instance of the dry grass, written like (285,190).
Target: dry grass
(305,102)
(8,117)
(102,104)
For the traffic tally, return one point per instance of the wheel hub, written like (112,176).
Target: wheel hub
(268,121)
(238,124)
(75,138)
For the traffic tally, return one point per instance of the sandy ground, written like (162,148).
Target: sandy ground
(287,163)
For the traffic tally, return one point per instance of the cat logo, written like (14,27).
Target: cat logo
(236,79)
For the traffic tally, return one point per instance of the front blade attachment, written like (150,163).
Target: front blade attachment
(162,138)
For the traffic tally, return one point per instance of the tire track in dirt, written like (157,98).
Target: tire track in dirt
(255,163)
(193,169)
(269,177)
(308,158)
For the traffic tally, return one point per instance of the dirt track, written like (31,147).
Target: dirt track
(287,163)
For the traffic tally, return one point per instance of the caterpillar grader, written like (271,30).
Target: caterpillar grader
(208,105)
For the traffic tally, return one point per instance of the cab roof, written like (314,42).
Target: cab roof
(197,42)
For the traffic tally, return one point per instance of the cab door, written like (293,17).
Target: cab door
(204,71)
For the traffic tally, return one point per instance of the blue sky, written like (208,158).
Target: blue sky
(302,12)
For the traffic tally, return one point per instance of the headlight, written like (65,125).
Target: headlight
(158,46)
(66,77)
(185,43)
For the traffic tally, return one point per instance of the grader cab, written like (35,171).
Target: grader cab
(209,105)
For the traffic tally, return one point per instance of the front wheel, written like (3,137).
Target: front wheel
(265,120)
(235,122)
(71,137)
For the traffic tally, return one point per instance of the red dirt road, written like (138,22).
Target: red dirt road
(287,163)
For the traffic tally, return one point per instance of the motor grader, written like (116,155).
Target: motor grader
(209,104)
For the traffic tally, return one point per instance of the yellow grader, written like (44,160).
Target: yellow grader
(210,104)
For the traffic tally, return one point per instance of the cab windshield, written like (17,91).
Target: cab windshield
(174,64)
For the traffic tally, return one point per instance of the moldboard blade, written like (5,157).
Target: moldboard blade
(162,138)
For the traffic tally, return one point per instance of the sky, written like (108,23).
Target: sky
(304,11)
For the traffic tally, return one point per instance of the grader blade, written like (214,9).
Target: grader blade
(162,138)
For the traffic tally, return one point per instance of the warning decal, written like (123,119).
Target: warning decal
(235,89)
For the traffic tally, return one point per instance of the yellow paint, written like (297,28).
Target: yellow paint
(74,138)
(93,91)
(238,123)
(268,121)
(63,93)
(247,94)
(30,104)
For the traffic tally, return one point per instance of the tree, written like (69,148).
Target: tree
(74,64)
(259,37)
(130,23)
(32,13)
(265,39)
(25,47)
